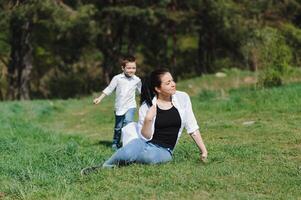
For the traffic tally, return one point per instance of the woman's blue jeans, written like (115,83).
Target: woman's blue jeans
(121,121)
(139,151)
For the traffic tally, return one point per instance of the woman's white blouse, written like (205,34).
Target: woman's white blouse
(181,101)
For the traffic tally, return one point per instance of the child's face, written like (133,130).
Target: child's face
(129,69)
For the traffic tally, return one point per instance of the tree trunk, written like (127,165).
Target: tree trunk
(110,44)
(132,36)
(253,61)
(26,65)
(207,42)
(106,70)
(202,68)
(174,43)
(1,94)
(174,52)
(111,56)
(14,62)
(20,64)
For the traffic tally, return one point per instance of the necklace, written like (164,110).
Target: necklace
(164,105)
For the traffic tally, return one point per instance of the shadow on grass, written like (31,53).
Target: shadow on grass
(104,143)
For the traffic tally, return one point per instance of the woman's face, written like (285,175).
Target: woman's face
(168,86)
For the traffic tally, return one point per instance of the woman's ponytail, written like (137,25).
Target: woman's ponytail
(149,84)
(147,93)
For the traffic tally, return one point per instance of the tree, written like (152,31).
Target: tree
(49,26)
(20,64)
(220,31)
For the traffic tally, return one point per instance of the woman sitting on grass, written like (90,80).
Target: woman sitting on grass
(162,116)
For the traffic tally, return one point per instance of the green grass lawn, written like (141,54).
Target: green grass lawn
(45,143)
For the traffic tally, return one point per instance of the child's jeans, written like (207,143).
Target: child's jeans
(139,151)
(121,121)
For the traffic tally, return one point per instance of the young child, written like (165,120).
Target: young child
(125,85)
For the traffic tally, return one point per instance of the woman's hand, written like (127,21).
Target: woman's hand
(151,113)
(204,156)
(146,130)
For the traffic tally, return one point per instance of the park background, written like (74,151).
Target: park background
(71,48)
(239,60)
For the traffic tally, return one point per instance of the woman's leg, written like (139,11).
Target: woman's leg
(127,154)
(135,151)
(153,154)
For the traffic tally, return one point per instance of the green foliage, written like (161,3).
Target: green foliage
(292,36)
(276,54)
(275,57)
(189,37)
(221,30)
(270,78)
(66,85)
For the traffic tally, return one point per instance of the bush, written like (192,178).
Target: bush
(292,35)
(271,78)
(275,57)
(73,84)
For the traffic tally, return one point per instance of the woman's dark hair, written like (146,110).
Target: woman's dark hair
(148,86)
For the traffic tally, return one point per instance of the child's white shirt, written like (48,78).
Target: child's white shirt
(125,92)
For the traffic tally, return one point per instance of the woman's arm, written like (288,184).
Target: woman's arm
(146,130)
(196,136)
(192,128)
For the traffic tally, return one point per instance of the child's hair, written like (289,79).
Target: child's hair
(148,86)
(126,59)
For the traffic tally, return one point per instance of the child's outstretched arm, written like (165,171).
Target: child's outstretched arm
(107,91)
(99,99)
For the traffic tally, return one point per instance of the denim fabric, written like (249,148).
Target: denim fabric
(121,121)
(139,151)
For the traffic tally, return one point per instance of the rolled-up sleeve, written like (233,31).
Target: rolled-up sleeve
(139,85)
(111,87)
(191,123)
(142,113)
